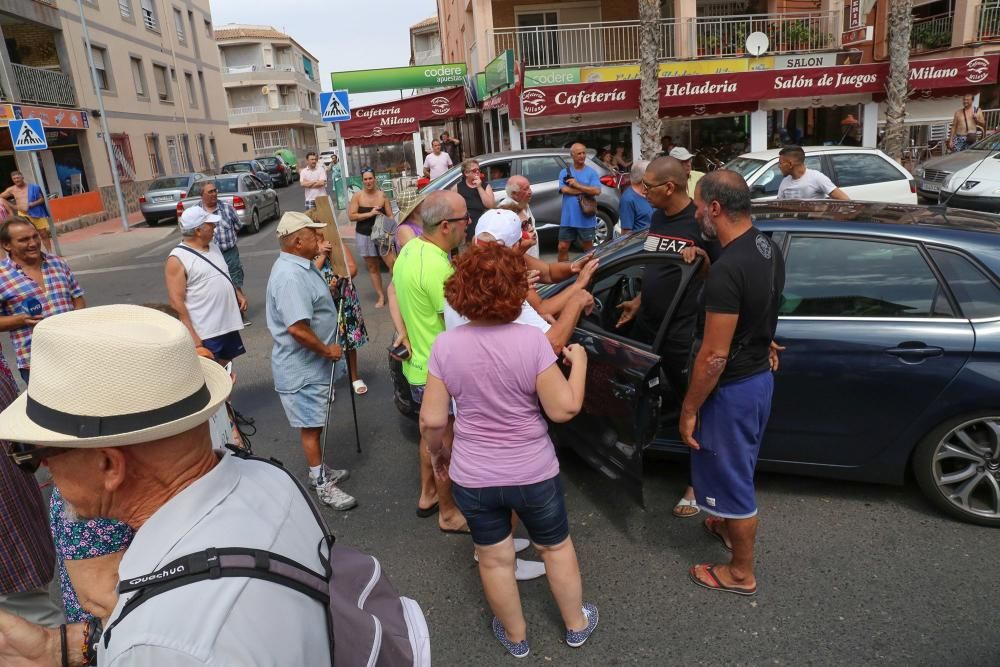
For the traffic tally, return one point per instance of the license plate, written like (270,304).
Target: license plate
(163,199)
(931,187)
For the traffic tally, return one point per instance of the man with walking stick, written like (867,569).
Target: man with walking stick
(302,319)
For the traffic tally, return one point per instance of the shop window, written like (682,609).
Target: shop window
(862,169)
(122,149)
(541,169)
(766,185)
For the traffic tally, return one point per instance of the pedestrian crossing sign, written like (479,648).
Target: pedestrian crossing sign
(334,106)
(27,135)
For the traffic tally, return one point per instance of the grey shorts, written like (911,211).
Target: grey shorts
(307,407)
(365,245)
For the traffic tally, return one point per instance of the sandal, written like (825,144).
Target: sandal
(716,584)
(685,509)
(360,387)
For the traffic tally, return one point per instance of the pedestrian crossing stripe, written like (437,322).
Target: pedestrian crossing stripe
(28,134)
(334,107)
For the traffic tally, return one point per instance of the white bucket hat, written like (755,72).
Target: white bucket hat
(112,376)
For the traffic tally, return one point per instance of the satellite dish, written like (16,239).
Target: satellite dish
(264,90)
(757,43)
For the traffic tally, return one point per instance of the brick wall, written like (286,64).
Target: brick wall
(131,191)
(36,45)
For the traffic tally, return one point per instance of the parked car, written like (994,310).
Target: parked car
(277,169)
(967,179)
(291,159)
(250,166)
(891,319)
(541,166)
(865,174)
(253,201)
(326,157)
(159,202)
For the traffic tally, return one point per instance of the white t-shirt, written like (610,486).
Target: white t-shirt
(813,185)
(210,298)
(528,316)
(317,173)
(533,250)
(438,164)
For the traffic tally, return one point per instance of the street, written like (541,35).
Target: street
(848,573)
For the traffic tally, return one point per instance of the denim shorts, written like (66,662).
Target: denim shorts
(541,508)
(307,407)
(581,234)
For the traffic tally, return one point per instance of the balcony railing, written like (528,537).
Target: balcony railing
(43,86)
(933,32)
(246,111)
(787,33)
(989,20)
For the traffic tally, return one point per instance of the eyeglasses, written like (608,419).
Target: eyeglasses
(651,187)
(467,218)
(28,458)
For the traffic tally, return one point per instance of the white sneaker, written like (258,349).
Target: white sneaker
(529,569)
(520,544)
(329,474)
(330,495)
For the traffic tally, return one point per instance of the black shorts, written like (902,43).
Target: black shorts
(228,346)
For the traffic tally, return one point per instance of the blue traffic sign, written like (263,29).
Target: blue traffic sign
(27,135)
(334,106)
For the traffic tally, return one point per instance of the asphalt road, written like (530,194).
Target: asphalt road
(849,574)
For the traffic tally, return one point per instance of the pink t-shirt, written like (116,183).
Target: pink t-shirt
(317,173)
(501,438)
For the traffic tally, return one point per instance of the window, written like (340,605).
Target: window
(977,294)
(100,65)
(611,288)
(175,167)
(179,25)
(215,152)
(163,90)
(767,183)
(153,150)
(537,39)
(125,9)
(192,96)
(496,173)
(122,149)
(202,156)
(149,15)
(863,169)
(208,29)
(185,153)
(139,77)
(837,277)
(249,184)
(539,170)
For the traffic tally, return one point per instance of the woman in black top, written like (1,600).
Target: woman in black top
(365,206)
(478,195)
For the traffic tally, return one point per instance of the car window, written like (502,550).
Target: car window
(767,183)
(226,186)
(835,277)
(611,287)
(236,167)
(268,161)
(863,169)
(540,170)
(171,182)
(977,294)
(497,173)
(249,184)
(744,166)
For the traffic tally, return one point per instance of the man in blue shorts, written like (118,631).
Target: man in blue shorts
(728,401)
(576,180)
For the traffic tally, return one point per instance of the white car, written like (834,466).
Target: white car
(969,179)
(865,174)
(326,157)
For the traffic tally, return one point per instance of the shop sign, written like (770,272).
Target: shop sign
(400,78)
(52,117)
(580,98)
(853,8)
(806,60)
(551,77)
(688,68)
(857,36)
(500,72)
(404,116)
(7,112)
(500,102)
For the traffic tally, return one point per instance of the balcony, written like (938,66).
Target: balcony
(44,86)
(989,21)
(259,116)
(258,74)
(617,42)
(933,32)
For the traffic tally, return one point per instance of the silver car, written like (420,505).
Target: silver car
(252,200)
(966,179)
(541,166)
(160,200)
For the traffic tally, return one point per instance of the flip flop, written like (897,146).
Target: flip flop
(360,387)
(717,584)
(682,511)
(707,525)
(424,512)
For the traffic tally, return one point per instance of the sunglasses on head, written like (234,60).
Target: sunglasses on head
(29,458)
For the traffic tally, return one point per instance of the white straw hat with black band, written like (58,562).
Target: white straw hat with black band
(112,376)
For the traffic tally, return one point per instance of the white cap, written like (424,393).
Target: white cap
(194,217)
(680,153)
(293,221)
(501,224)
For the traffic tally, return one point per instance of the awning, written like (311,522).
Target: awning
(386,123)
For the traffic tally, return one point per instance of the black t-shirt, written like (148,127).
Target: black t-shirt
(474,203)
(660,281)
(747,280)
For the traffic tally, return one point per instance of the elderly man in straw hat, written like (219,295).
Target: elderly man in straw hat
(118,408)
(302,319)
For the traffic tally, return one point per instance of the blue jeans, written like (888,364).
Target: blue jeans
(540,506)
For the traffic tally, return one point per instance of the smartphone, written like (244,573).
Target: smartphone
(400,352)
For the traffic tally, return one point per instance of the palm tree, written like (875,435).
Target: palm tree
(897,85)
(649,75)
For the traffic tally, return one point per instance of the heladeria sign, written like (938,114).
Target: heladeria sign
(400,78)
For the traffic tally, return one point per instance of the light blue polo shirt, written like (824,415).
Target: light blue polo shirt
(572,216)
(296,291)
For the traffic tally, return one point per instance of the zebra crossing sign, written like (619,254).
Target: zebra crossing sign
(27,134)
(334,106)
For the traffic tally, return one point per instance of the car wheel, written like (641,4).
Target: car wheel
(603,230)
(254,222)
(152,222)
(277,208)
(957,466)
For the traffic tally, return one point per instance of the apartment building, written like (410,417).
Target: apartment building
(158,71)
(425,42)
(819,79)
(272,89)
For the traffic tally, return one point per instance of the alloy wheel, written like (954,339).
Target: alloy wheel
(966,467)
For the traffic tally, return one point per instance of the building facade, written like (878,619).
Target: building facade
(272,89)
(158,72)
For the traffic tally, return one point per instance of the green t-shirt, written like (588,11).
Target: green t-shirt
(419,275)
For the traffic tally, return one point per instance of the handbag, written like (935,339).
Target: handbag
(383,231)
(588,205)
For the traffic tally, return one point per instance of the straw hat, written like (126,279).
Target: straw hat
(113,376)
(409,205)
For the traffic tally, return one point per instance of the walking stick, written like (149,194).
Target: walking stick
(354,407)
(329,401)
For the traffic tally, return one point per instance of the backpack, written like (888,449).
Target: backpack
(368,622)
(383,234)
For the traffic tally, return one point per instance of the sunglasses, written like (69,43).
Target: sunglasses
(651,187)
(29,458)
(465,218)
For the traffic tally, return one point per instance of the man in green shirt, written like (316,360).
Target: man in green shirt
(417,295)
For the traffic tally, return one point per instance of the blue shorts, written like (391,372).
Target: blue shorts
(307,407)
(730,429)
(581,234)
(417,392)
(541,508)
(227,346)
(309,205)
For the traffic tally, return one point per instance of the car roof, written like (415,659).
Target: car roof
(528,152)
(772,153)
